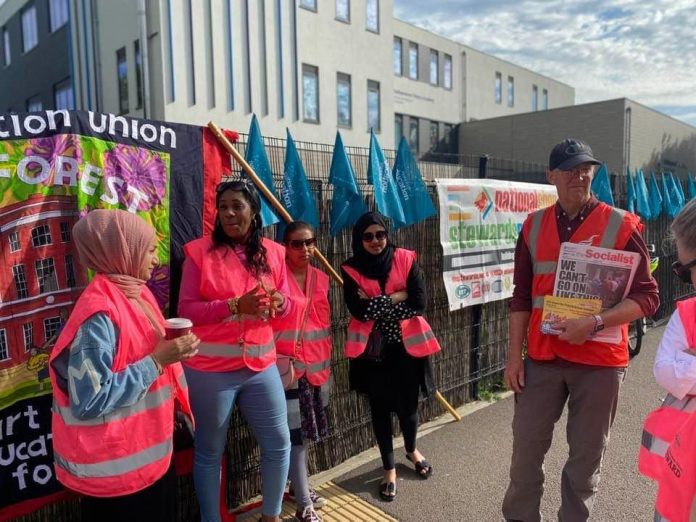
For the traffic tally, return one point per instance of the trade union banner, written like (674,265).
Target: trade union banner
(480,220)
(56,166)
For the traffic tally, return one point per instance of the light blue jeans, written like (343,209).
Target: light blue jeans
(261,399)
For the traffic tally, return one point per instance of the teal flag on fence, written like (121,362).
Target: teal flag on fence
(601,186)
(296,195)
(676,193)
(347,204)
(257,158)
(654,198)
(642,202)
(670,199)
(680,190)
(379,175)
(692,187)
(415,199)
(630,192)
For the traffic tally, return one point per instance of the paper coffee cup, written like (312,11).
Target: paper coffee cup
(177,326)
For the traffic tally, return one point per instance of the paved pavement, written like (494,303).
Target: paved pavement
(471,460)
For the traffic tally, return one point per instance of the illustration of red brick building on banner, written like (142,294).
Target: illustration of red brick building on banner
(40,280)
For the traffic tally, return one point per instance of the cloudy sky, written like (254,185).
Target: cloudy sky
(639,49)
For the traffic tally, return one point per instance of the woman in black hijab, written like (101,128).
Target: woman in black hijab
(383,287)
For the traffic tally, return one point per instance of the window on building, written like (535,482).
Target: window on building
(4,348)
(63,95)
(413,135)
(396,56)
(70,271)
(14,241)
(535,98)
(30,31)
(511,91)
(138,74)
(34,104)
(6,54)
(41,236)
(122,76)
(343,99)
(310,93)
(447,130)
(498,88)
(46,275)
(51,327)
(343,10)
(373,116)
(20,281)
(544,100)
(64,231)
(28,330)
(413,61)
(309,4)
(398,129)
(433,134)
(434,67)
(447,72)
(58,13)
(372,19)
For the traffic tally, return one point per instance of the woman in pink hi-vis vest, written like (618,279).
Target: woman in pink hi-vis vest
(668,444)
(388,340)
(116,380)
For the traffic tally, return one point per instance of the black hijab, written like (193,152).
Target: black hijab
(369,265)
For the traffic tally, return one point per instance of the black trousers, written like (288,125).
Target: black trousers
(406,408)
(156,503)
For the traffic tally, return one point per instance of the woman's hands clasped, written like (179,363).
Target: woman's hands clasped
(261,301)
(169,351)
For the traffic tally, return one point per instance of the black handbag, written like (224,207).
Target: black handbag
(374,351)
(183,430)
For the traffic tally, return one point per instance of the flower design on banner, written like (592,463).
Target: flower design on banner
(48,149)
(159,285)
(142,170)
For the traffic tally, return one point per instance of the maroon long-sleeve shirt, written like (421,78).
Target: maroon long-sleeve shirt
(643,289)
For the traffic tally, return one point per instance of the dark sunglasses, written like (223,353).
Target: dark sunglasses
(379,236)
(297,244)
(241,185)
(683,272)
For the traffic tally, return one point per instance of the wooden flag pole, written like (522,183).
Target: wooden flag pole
(288,219)
(267,193)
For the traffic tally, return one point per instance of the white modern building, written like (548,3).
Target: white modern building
(313,66)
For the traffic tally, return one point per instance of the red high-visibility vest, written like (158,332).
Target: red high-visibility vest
(419,339)
(310,346)
(606,227)
(243,341)
(130,448)
(662,424)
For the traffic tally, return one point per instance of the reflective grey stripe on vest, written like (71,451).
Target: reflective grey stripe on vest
(534,232)
(234,350)
(181,379)
(314,335)
(538,301)
(314,367)
(611,232)
(653,444)
(544,267)
(356,337)
(151,401)
(659,518)
(116,467)
(419,338)
(687,404)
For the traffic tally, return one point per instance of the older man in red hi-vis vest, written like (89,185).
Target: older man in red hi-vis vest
(570,367)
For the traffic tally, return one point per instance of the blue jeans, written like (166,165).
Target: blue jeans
(261,399)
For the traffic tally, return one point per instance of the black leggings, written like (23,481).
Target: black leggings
(407,412)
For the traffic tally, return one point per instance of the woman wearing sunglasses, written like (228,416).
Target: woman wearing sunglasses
(303,342)
(388,340)
(668,450)
(233,286)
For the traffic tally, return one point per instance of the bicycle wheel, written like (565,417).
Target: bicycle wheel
(635,337)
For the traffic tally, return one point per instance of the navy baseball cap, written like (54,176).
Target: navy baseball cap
(570,153)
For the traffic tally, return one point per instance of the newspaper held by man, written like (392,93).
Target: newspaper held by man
(589,272)
(557,309)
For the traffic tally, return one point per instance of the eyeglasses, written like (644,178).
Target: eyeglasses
(297,244)
(380,235)
(683,272)
(239,185)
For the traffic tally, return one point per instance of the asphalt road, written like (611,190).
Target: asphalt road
(471,461)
